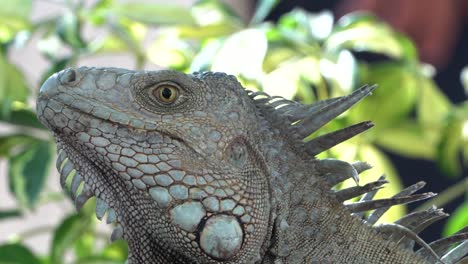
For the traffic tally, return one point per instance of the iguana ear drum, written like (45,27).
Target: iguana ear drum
(236,153)
(221,237)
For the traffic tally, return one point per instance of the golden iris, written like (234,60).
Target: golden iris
(166,94)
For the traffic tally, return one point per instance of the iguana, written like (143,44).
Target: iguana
(193,168)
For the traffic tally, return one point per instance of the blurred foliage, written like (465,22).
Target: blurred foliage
(304,57)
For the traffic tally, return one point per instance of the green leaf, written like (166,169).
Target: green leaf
(340,70)
(114,253)
(221,21)
(214,12)
(17,254)
(155,14)
(20,114)
(408,139)
(9,213)
(16,141)
(99,13)
(362,32)
(13,86)
(14,17)
(69,31)
(169,51)
(296,28)
(13,94)
(117,250)
(457,220)
(262,10)
(287,79)
(433,105)
(85,245)
(28,170)
(242,54)
(276,55)
(394,98)
(207,31)
(71,229)
(125,35)
(448,150)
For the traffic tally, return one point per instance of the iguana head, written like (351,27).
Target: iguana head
(168,155)
(194,169)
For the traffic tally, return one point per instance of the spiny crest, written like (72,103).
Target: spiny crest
(297,121)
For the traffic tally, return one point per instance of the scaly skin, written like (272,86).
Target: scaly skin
(204,179)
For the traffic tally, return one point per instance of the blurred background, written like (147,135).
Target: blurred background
(303,50)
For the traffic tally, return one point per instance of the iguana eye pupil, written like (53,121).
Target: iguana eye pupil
(166,94)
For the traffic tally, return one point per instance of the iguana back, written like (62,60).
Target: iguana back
(195,169)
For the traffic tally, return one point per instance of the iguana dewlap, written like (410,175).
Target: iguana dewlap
(195,169)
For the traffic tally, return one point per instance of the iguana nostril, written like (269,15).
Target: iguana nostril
(68,76)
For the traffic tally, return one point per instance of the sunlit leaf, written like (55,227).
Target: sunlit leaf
(340,70)
(214,12)
(155,13)
(457,220)
(433,105)
(242,54)
(207,31)
(17,254)
(276,55)
(68,232)
(448,150)
(169,51)
(392,100)
(321,24)
(126,35)
(362,32)
(85,245)
(408,139)
(285,80)
(262,10)
(117,250)
(28,170)
(300,28)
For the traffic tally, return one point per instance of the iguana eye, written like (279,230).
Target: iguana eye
(166,93)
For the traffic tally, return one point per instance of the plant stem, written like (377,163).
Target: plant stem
(446,196)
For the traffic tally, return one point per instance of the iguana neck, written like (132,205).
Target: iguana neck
(310,224)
